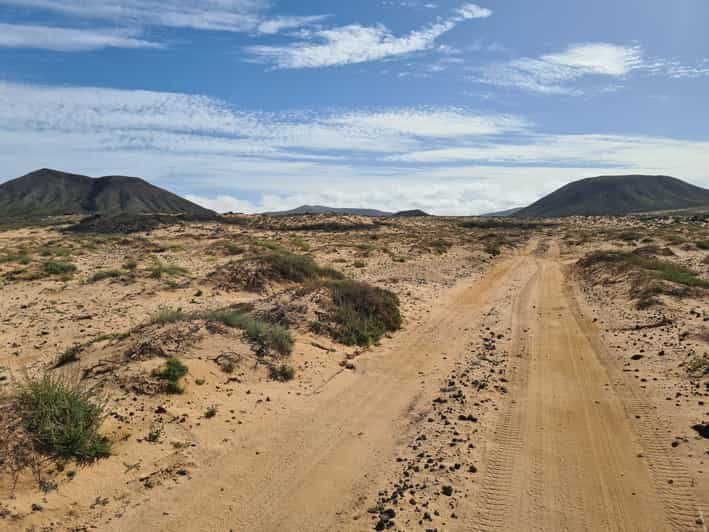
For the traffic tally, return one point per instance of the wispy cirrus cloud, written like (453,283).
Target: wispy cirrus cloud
(557,73)
(69,40)
(211,15)
(356,43)
(553,73)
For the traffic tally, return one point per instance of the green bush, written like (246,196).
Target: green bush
(58,268)
(63,418)
(104,274)
(172,372)
(363,313)
(652,267)
(282,373)
(159,269)
(296,268)
(440,246)
(261,332)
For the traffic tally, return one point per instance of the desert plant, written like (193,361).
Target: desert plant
(63,418)
(172,372)
(211,412)
(282,372)
(68,356)
(58,268)
(104,274)
(362,313)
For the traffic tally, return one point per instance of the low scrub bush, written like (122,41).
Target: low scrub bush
(172,372)
(58,268)
(267,335)
(362,313)
(282,372)
(104,274)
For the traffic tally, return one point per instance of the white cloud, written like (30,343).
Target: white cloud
(278,24)
(440,123)
(227,15)
(552,73)
(68,40)
(444,160)
(555,73)
(357,44)
(217,15)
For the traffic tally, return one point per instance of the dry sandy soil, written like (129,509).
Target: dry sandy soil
(541,388)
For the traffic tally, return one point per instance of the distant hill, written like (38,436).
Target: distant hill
(320,209)
(50,192)
(618,195)
(502,214)
(414,213)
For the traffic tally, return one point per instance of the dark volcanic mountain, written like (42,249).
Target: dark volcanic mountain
(50,192)
(414,213)
(618,195)
(320,209)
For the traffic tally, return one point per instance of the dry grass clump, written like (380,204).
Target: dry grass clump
(648,266)
(255,272)
(265,335)
(51,417)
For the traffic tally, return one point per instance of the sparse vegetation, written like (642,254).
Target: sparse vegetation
(172,373)
(58,268)
(440,246)
(282,372)
(63,418)
(649,266)
(159,269)
(68,356)
(211,412)
(698,366)
(362,313)
(104,274)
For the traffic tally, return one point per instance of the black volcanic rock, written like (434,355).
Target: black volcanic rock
(618,195)
(50,192)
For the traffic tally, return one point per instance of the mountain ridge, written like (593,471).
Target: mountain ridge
(616,196)
(48,192)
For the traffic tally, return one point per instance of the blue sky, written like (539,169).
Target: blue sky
(452,107)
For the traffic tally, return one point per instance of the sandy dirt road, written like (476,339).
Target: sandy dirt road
(564,454)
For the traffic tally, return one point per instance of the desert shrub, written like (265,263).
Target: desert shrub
(231,248)
(53,251)
(68,356)
(440,246)
(629,236)
(63,418)
(492,247)
(172,372)
(282,372)
(160,269)
(297,268)
(698,366)
(168,315)
(104,274)
(649,266)
(58,268)
(359,264)
(21,256)
(211,412)
(702,244)
(362,313)
(268,335)
(269,244)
